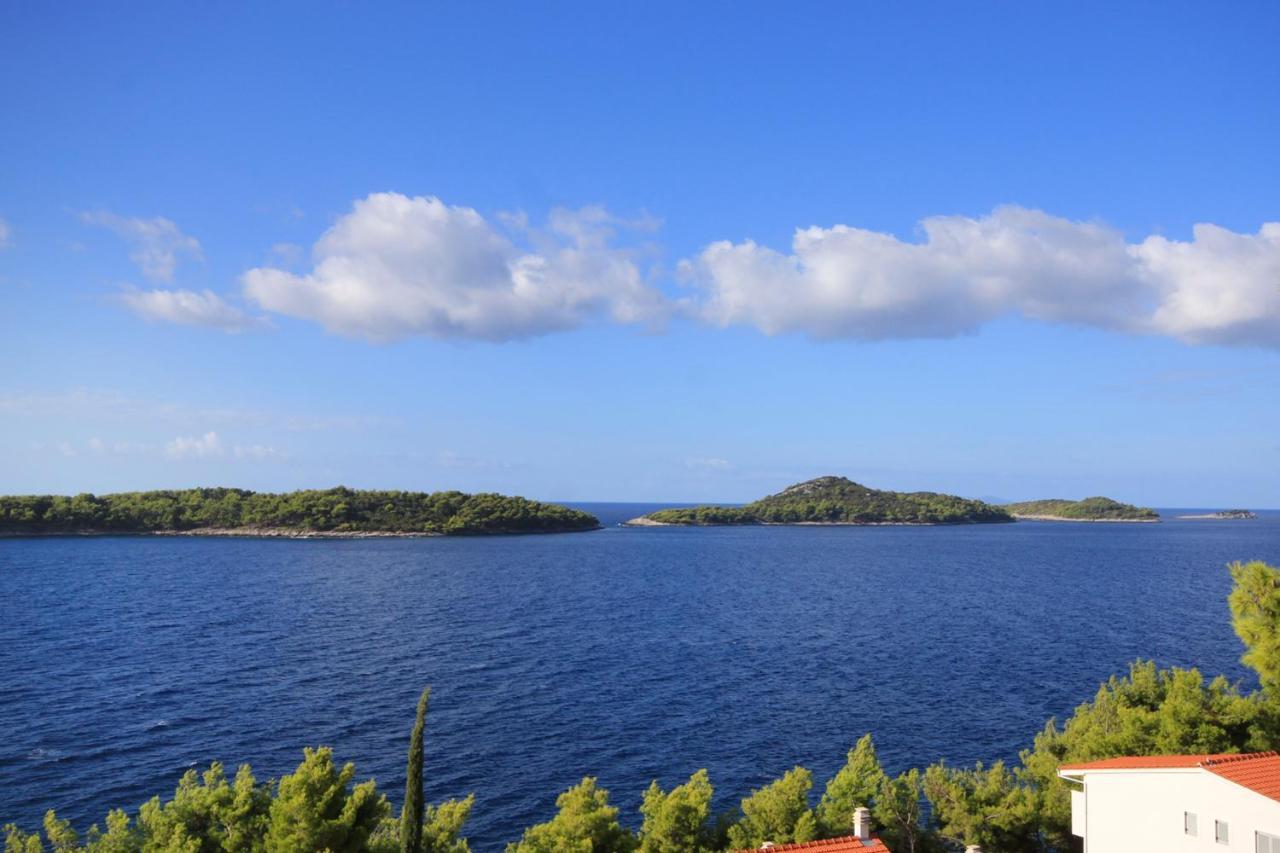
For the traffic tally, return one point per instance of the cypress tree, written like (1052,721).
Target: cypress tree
(411,816)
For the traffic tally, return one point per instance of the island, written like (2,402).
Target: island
(1089,509)
(1226,514)
(834,501)
(337,512)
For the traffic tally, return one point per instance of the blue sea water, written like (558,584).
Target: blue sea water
(629,654)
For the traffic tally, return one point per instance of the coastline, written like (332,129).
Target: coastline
(648,522)
(1087,520)
(282,533)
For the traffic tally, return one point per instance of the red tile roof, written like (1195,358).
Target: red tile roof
(1257,771)
(847,844)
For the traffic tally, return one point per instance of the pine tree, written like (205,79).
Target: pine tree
(411,815)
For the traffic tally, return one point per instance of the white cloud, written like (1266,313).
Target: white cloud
(189,308)
(845,282)
(710,463)
(397,266)
(210,446)
(157,243)
(6,234)
(258,452)
(1221,287)
(196,447)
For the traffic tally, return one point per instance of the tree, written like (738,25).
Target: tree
(443,826)
(17,841)
(412,813)
(121,836)
(677,822)
(988,807)
(586,823)
(778,812)
(208,815)
(1148,712)
(897,809)
(855,785)
(315,809)
(1255,615)
(59,832)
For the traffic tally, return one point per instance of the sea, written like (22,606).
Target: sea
(627,654)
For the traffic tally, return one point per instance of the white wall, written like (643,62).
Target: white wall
(1133,811)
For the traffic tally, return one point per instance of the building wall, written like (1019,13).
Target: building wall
(1133,811)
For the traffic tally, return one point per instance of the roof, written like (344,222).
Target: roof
(847,844)
(1144,762)
(1257,771)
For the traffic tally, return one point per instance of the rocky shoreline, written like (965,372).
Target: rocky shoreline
(645,521)
(277,533)
(1087,520)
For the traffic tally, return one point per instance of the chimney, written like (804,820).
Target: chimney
(862,823)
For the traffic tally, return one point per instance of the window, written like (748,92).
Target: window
(1220,832)
(1189,823)
(1266,843)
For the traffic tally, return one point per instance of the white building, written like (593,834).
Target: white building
(1173,803)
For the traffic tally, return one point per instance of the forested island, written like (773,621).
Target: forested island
(329,512)
(1089,509)
(835,500)
(1226,515)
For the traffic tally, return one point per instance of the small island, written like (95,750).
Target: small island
(1089,509)
(835,501)
(1226,515)
(338,512)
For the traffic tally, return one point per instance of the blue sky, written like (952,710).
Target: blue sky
(642,251)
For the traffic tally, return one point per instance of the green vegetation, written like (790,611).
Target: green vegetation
(679,821)
(837,500)
(586,823)
(778,812)
(1022,808)
(411,813)
(334,511)
(1089,509)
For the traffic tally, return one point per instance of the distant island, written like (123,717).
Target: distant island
(1226,514)
(338,512)
(1089,509)
(835,500)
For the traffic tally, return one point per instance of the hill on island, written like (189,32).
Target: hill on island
(837,500)
(1089,509)
(335,512)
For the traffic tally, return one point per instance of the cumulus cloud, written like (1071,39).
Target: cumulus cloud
(846,282)
(398,266)
(211,446)
(157,243)
(195,447)
(189,308)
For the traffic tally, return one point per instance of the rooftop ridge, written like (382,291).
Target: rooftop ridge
(1235,758)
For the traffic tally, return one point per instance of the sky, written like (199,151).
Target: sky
(642,252)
